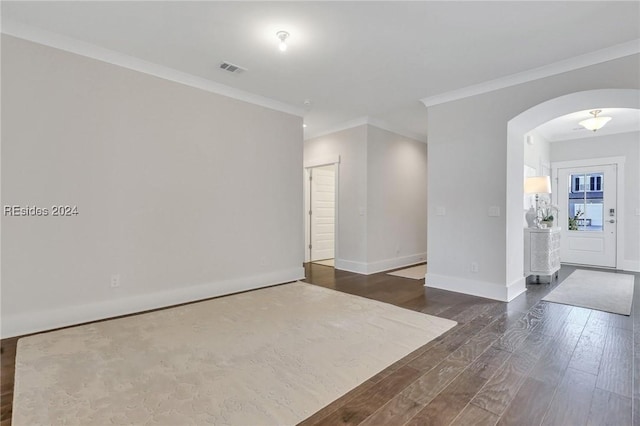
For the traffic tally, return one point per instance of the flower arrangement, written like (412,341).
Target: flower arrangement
(546,210)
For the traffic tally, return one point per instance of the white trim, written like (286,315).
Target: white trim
(516,288)
(603,55)
(33,322)
(88,50)
(631,265)
(356,122)
(588,162)
(351,266)
(322,161)
(620,198)
(306,206)
(361,121)
(380,265)
(390,128)
(486,289)
(394,263)
(336,226)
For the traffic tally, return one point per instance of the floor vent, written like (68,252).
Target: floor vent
(228,66)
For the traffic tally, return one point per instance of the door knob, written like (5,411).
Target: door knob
(612,221)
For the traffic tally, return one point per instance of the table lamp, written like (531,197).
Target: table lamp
(537,185)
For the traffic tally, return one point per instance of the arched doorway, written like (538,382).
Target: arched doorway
(517,127)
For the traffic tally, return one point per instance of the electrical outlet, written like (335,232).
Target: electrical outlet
(441,211)
(115,280)
(474,267)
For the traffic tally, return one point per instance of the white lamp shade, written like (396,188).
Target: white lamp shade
(595,123)
(537,185)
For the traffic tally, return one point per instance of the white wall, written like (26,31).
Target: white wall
(381,197)
(183,193)
(396,200)
(619,145)
(536,153)
(468,174)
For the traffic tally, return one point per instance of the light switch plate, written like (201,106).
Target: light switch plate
(494,211)
(441,211)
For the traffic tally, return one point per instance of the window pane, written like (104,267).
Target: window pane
(586,202)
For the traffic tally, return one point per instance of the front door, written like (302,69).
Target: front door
(587,215)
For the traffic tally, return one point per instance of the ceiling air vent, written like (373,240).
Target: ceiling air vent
(228,66)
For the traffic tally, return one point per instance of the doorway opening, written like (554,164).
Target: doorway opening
(517,129)
(320,217)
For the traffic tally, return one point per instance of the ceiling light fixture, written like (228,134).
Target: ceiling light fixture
(282,36)
(595,123)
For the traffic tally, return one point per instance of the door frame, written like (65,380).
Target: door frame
(619,163)
(605,257)
(310,164)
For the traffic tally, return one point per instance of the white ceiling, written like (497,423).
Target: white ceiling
(351,59)
(566,127)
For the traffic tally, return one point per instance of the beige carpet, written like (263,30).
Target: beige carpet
(266,357)
(604,291)
(414,272)
(327,262)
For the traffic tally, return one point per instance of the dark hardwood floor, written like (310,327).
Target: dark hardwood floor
(526,362)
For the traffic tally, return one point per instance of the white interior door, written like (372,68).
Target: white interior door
(322,213)
(587,199)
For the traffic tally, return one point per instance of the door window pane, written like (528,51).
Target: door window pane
(586,202)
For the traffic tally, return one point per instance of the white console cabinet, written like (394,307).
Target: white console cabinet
(541,252)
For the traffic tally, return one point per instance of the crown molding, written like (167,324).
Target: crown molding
(78,47)
(603,55)
(380,124)
(366,120)
(360,121)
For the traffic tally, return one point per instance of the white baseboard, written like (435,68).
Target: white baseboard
(351,266)
(396,262)
(489,290)
(380,265)
(34,322)
(516,288)
(631,265)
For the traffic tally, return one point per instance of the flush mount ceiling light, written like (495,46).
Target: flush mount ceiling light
(595,123)
(282,36)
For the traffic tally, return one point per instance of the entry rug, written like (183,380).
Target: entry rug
(415,272)
(266,357)
(604,291)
